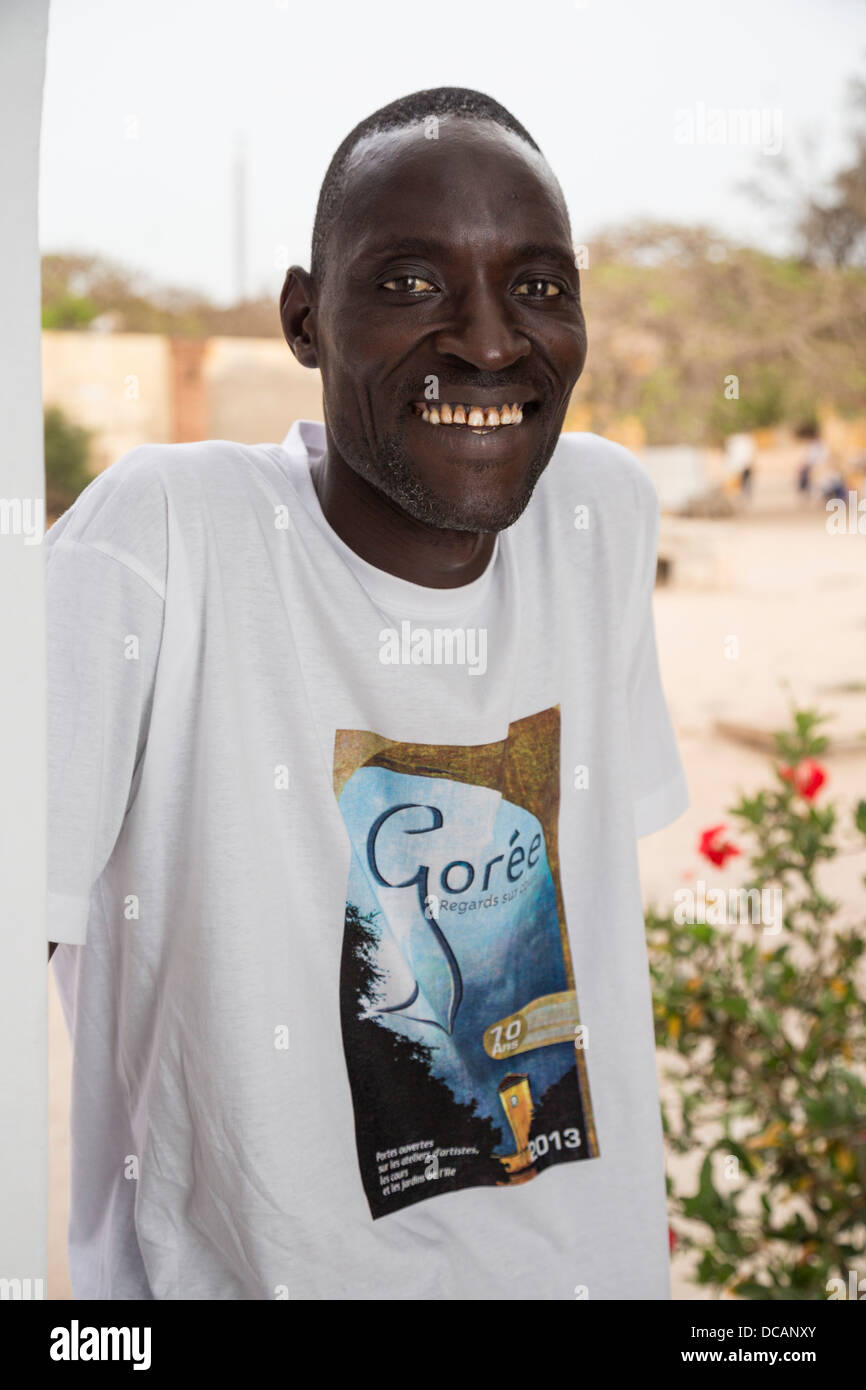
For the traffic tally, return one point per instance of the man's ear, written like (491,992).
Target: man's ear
(297,315)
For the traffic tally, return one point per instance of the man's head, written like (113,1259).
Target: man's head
(443,276)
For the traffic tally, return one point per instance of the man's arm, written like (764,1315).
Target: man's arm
(104,628)
(659,789)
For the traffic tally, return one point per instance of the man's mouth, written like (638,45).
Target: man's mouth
(479,419)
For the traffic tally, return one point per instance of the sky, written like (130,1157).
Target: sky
(147,101)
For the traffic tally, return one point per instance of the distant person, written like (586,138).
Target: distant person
(740,461)
(857,474)
(833,483)
(813,461)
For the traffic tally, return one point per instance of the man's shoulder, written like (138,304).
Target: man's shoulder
(606,473)
(145,477)
(599,490)
(169,466)
(124,511)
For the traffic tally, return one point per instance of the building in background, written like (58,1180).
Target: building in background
(141,388)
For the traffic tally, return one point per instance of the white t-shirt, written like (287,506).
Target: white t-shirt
(346,867)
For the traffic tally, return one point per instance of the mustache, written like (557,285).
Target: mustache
(484,381)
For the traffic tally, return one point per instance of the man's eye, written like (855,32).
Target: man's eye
(409,284)
(538,289)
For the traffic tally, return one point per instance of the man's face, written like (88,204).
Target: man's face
(450,285)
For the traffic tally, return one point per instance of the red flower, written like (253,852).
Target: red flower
(672,1239)
(713,847)
(807,778)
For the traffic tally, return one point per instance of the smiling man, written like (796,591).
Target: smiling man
(353,955)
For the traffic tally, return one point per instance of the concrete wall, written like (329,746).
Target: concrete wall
(255,389)
(136,388)
(116,384)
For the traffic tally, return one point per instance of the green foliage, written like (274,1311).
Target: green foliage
(78,288)
(67,447)
(69,311)
(673,312)
(765,1043)
(765,399)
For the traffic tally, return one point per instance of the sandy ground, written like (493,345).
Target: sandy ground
(794,598)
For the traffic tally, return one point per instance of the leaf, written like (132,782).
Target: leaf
(714,1271)
(707,1204)
(750,1289)
(741,1154)
(734,1005)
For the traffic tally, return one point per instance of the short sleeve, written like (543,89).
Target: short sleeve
(104,600)
(659,790)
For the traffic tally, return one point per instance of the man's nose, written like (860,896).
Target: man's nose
(483,331)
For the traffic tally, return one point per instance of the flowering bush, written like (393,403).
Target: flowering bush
(764,1036)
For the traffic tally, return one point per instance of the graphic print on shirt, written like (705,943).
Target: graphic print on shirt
(459,1012)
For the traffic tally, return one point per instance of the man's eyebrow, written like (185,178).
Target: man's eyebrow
(424,246)
(405,246)
(538,251)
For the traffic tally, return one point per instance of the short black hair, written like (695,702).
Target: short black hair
(405,111)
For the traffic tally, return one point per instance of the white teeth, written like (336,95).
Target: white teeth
(478,418)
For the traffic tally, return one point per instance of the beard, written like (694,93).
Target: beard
(392,472)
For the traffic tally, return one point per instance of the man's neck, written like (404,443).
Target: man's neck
(383,535)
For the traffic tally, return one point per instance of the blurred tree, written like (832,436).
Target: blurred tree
(67,447)
(829,227)
(76,289)
(68,311)
(701,338)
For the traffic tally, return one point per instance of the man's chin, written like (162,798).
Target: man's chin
(489,519)
(477,497)
(487,511)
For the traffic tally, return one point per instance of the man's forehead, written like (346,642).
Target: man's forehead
(449,135)
(393,174)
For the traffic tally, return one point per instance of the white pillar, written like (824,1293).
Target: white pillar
(23,948)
